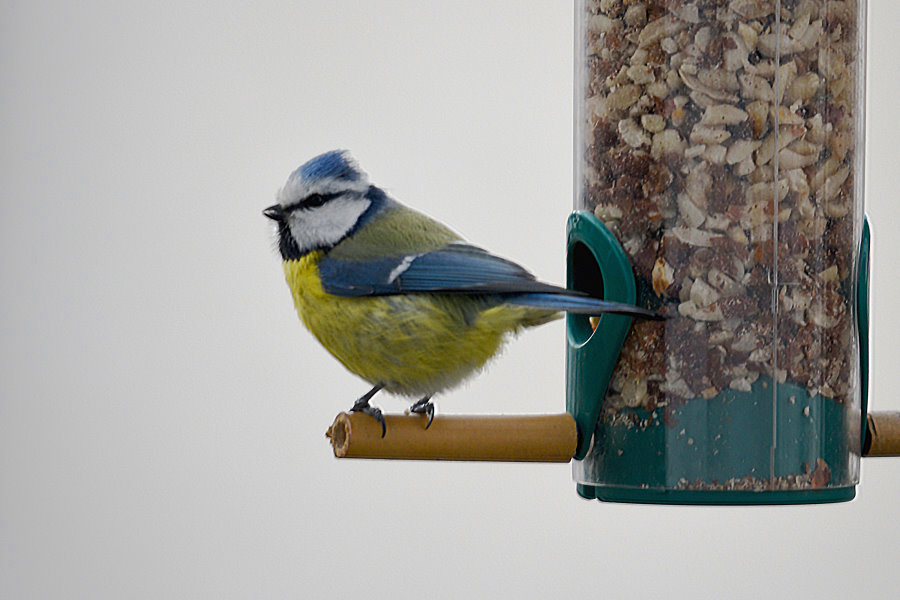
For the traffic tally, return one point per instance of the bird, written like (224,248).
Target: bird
(400,299)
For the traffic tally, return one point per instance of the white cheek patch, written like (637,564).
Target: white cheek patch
(326,225)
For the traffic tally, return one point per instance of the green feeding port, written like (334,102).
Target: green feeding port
(641,440)
(592,353)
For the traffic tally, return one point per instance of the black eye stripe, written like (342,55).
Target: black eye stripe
(312,201)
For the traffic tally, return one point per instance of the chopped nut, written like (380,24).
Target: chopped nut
(723,114)
(694,83)
(789,159)
(830,274)
(693,216)
(800,26)
(602,24)
(736,56)
(714,154)
(839,143)
(833,185)
(623,97)
(745,167)
(756,88)
(803,87)
(741,150)
(718,79)
(784,77)
(770,43)
(641,74)
(748,35)
(752,9)
(662,276)
(656,30)
(608,213)
(709,135)
(668,45)
(635,15)
(759,117)
(653,123)
(691,310)
(693,236)
(831,63)
(703,294)
(667,142)
(785,116)
(632,134)
(695,151)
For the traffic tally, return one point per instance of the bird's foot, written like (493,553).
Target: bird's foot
(424,407)
(362,406)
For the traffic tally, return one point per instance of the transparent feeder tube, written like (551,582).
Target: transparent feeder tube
(722,143)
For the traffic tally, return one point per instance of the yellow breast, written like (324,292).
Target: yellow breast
(415,345)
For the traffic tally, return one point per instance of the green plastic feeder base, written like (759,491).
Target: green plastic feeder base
(722,498)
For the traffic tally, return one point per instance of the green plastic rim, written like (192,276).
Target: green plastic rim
(596,264)
(714,498)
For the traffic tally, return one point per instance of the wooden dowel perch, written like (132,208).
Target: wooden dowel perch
(883,438)
(518,438)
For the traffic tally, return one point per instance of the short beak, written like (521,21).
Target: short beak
(274,212)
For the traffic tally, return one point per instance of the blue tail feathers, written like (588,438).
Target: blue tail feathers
(582,305)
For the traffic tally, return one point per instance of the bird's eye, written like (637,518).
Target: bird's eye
(311,201)
(314,200)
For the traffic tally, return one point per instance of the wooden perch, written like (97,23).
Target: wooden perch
(508,438)
(883,435)
(517,438)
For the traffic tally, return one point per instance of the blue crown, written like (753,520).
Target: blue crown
(337,164)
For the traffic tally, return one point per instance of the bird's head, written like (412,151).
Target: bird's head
(319,204)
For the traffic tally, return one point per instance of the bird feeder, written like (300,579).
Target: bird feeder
(719,178)
(719,161)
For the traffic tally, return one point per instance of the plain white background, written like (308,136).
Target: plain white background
(163,411)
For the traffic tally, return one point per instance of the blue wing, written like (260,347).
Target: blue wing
(459,268)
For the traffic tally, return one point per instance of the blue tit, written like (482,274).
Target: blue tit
(398,298)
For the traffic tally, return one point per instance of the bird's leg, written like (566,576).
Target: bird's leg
(424,407)
(362,405)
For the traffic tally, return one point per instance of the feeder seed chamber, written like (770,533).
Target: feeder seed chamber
(719,161)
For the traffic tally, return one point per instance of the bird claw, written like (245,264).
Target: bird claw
(424,407)
(362,406)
